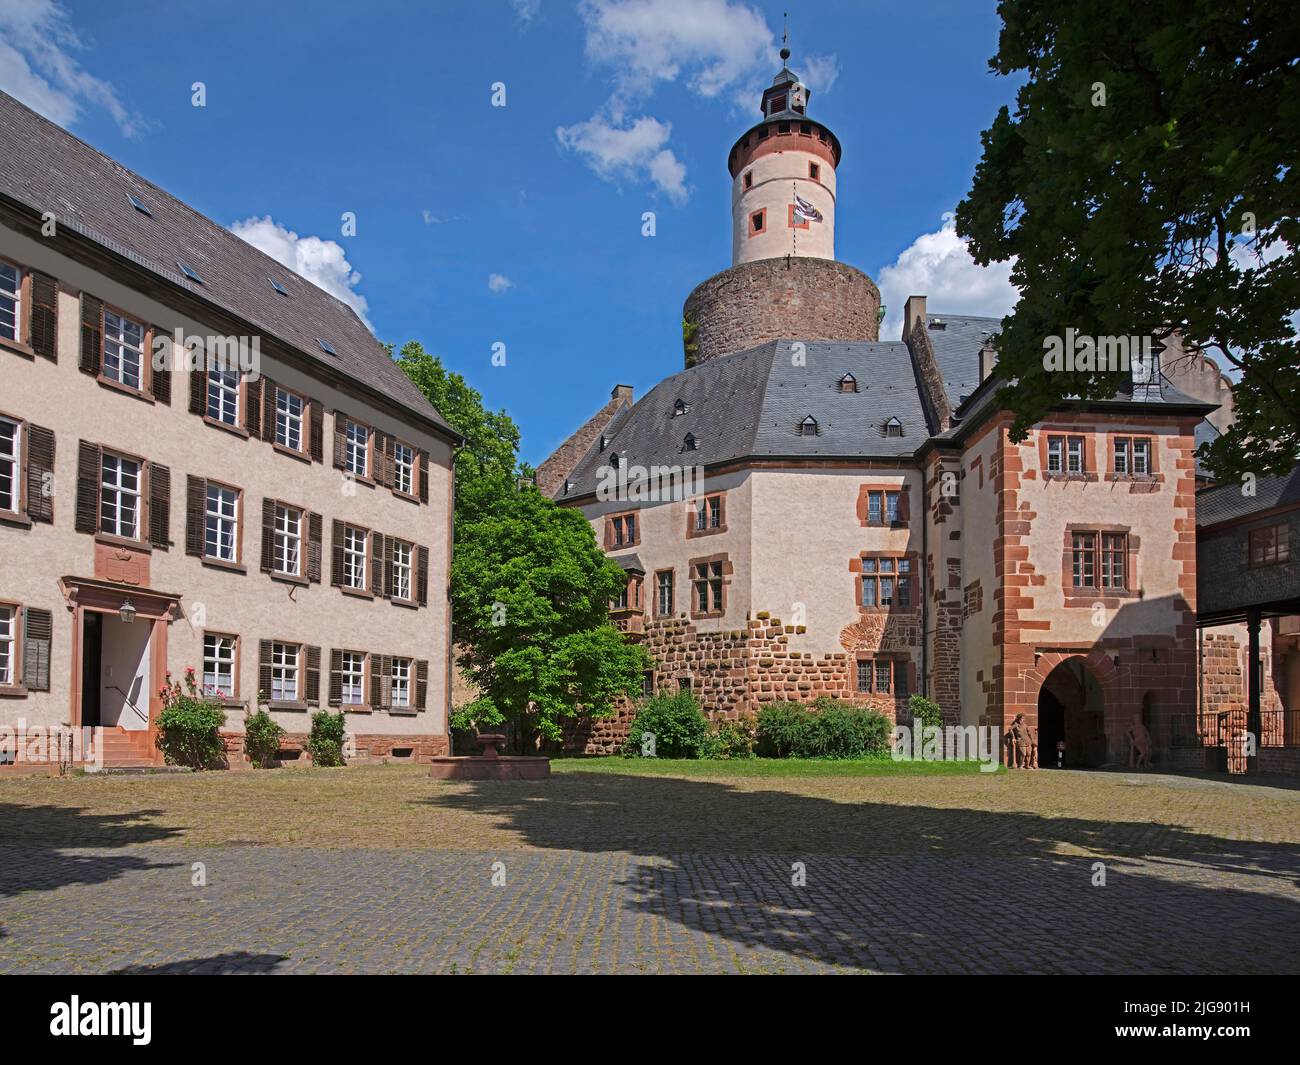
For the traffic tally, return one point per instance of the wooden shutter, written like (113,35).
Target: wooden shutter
(336,555)
(43,316)
(160,379)
(378,585)
(313,547)
(268,535)
(421,683)
(268,410)
(336,677)
(264,670)
(340,440)
(40,474)
(389,579)
(253,407)
(198,389)
(378,693)
(92,333)
(38,633)
(313,676)
(316,430)
(160,503)
(423,479)
(422,576)
(196,501)
(89,470)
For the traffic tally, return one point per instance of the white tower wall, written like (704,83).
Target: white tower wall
(776,176)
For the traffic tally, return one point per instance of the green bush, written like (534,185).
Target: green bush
(925,709)
(734,739)
(189,726)
(679,727)
(325,741)
(826,729)
(262,739)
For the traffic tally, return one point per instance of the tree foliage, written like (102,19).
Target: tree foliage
(1147,182)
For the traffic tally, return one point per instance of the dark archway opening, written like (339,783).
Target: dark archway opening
(1071,710)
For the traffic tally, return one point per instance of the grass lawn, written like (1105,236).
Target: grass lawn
(764,767)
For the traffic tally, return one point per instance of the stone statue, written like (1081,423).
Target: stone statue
(1139,744)
(1020,742)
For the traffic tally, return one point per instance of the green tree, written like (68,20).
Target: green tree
(530,592)
(1147,182)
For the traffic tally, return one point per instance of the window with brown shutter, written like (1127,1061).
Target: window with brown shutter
(313,547)
(264,670)
(89,460)
(196,497)
(92,333)
(340,440)
(198,390)
(378,570)
(383,456)
(43,315)
(422,576)
(336,677)
(160,502)
(316,429)
(253,391)
(380,681)
(312,696)
(421,683)
(336,553)
(268,392)
(390,581)
(38,634)
(268,535)
(160,362)
(424,477)
(38,454)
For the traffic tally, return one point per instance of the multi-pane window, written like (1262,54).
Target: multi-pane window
(624,530)
(353,672)
(1270,545)
(1133,455)
(1099,555)
(708,514)
(10,464)
(883,676)
(1065,454)
(356,448)
(288,419)
(664,588)
(223,395)
(288,540)
(401,570)
(284,672)
(221,524)
(404,468)
(887,582)
(123,349)
(219,664)
(354,557)
(1114,560)
(708,587)
(8,637)
(401,682)
(1083,560)
(119,496)
(11,294)
(884,508)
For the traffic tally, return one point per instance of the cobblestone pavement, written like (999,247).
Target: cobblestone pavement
(914,889)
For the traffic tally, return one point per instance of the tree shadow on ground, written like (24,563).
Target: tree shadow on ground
(237,963)
(916,888)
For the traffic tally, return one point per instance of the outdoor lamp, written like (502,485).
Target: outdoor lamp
(126,611)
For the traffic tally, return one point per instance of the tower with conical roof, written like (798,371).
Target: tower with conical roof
(784,281)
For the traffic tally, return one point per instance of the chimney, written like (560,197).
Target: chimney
(988,360)
(623,392)
(913,309)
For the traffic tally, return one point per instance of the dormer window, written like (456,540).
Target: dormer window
(893,427)
(848,383)
(604,443)
(938,324)
(613,461)
(680,407)
(568,487)
(809,427)
(689,444)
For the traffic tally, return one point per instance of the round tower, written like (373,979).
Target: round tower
(784,282)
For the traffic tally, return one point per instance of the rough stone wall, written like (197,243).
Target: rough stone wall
(771,299)
(916,335)
(552,472)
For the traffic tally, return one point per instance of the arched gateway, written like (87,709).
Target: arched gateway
(1075,702)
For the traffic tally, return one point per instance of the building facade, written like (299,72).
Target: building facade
(852,518)
(206,463)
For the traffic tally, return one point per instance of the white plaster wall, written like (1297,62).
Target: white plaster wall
(776,177)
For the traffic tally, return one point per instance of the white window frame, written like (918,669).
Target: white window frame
(221,518)
(1074,454)
(289,425)
(113,491)
(14,297)
(8,644)
(123,355)
(286,551)
(404,468)
(285,672)
(400,684)
(355,558)
(356,453)
(403,570)
(352,670)
(11,465)
(219,664)
(223,395)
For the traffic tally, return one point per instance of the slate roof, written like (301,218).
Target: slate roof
(44,167)
(957,351)
(750,405)
(1225,502)
(1205,433)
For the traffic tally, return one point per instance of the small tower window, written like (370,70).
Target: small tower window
(809,427)
(749,179)
(848,383)
(893,427)
(778,105)
(758,221)
(814,172)
(783,127)
(689,443)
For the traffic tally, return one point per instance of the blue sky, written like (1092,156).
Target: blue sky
(613,108)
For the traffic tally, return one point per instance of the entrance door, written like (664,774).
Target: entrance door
(91,641)
(124,673)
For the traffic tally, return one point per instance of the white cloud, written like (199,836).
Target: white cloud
(939,266)
(322,262)
(637,150)
(499,283)
(431,219)
(37,66)
(526,10)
